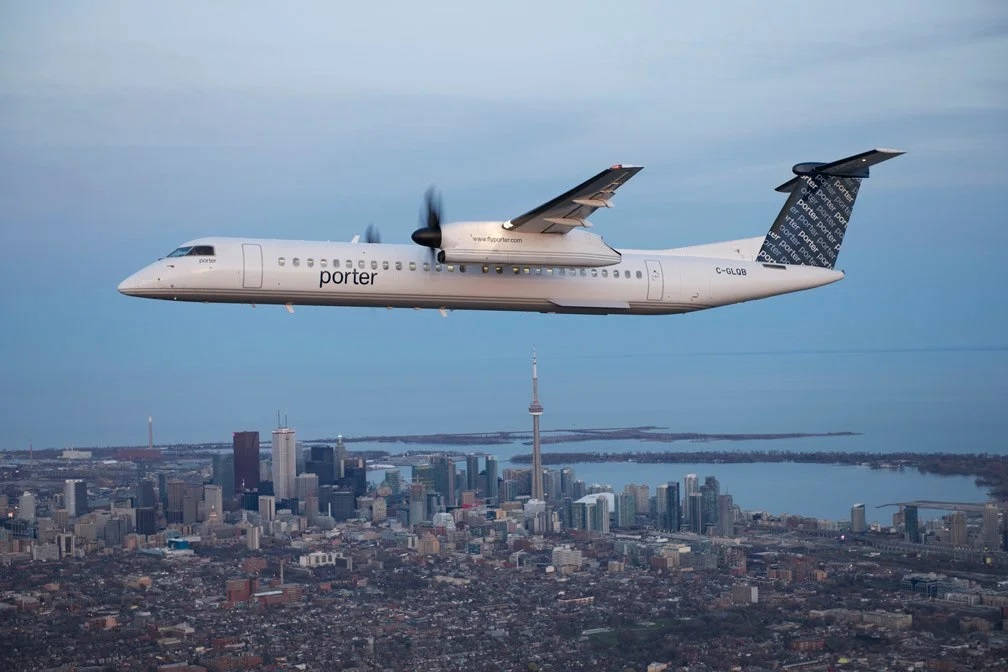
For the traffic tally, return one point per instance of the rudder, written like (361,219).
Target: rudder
(810,227)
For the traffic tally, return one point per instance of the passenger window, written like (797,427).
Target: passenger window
(426,266)
(398,265)
(538,271)
(594,272)
(412,265)
(437,267)
(639,276)
(515,270)
(605,273)
(461,268)
(310,262)
(626,274)
(322,263)
(280,261)
(384,265)
(349,263)
(562,271)
(549,271)
(526,270)
(584,272)
(360,263)
(499,269)
(451,268)
(296,261)
(374,265)
(486,269)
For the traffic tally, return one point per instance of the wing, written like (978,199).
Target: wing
(570,210)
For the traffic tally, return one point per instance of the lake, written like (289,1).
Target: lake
(816,490)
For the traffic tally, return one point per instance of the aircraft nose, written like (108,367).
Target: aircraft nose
(134,284)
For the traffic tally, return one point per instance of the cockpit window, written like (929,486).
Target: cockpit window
(194,251)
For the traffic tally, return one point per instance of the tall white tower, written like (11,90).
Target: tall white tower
(284,462)
(536,409)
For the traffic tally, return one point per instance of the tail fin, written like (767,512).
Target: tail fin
(811,225)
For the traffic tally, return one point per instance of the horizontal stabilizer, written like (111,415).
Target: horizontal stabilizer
(852,166)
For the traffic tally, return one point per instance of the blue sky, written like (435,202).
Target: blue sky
(125,130)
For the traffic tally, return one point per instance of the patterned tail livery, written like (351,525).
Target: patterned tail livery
(811,225)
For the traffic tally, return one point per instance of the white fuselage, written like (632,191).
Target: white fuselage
(246,270)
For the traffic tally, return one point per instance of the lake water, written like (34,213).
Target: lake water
(817,490)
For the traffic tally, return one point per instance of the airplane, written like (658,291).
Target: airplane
(545,260)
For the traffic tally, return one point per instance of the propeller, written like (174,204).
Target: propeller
(429,233)
(371,234)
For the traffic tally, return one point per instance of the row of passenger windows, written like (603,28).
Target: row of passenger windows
(464,268)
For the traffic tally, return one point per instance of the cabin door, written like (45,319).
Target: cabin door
(252,266)
(655,282)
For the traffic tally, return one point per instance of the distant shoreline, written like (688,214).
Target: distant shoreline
(990,471)
(491,438)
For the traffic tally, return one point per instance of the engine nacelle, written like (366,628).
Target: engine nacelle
(491,243)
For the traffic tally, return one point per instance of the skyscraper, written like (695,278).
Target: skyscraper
(567,481)
(146,521)
(536,409)
(394,480)
(690,487)
(26,507)
(354,479)
(75,498)
(213,496)
(911,524)
(626,510)
(991,528)
(673,507)
(493,490)
(224,473)
(601,519)
(267,507)
(726,516)
(322,463)
(175,494)
(417,504)
(305,486)
(957,529)
(246,461)
(472,472)
(552,485)
(857,519)
(696,512)
(284,462)
(709,493)
(444,478)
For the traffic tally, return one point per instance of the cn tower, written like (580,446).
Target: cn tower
(536,409)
